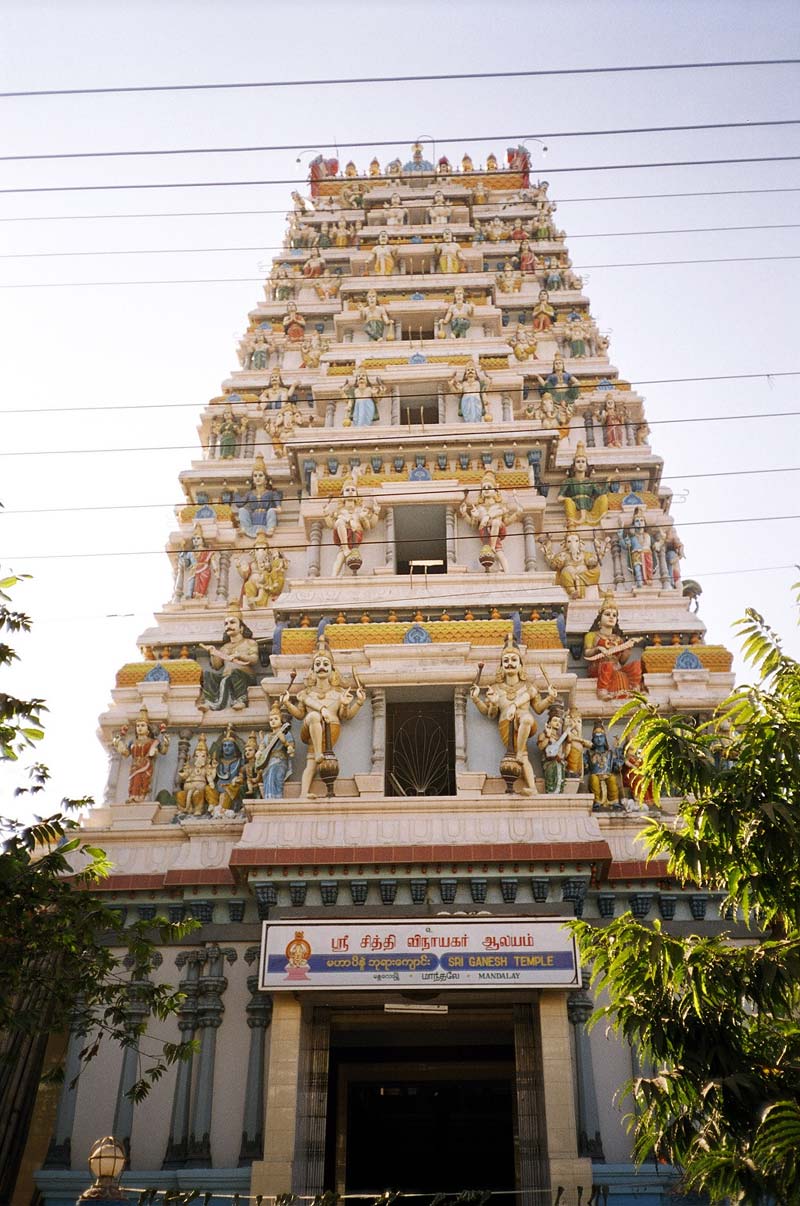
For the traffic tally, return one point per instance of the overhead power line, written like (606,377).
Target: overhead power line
(403,79)
(603,234)
(398,142)
(591,167)
(241,280)
(240,213)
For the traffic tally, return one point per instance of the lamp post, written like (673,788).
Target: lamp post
(106,1163)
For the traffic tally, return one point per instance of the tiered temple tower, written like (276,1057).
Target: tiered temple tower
(424,552)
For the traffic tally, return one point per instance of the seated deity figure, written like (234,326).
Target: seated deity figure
(383,257)
(313,349)
(273,761)
(550,413)
(562,386)
(293,323)
(225,684)
(142,750)
(508,280)
(471,386)
(457,316)
(491,515)
(323,239)
(342,233)
(577,563)
(263,572)
(285,422)
(611,659)
(585,500)
(259,507)
(196,794)
(377,323)
(362,397)
(323,705)
(395,212)
(314,265)
(277,392)
(496,231)
(196,563)
(543,313)
(512,699)
(439,213)
(524,343)
(448,254)
(228,768)
(349,518)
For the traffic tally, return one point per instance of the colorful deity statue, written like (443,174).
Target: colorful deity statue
(228,766)
(293,323)
(611,658)
(523,342)
(362,396)
(313,348)
(457,316)
(575,334)
(439,213)
(285,423)
(576,562)
(577,743)
(196,563)
(281,284)
(277,392)
(496,231)
(553,743)
(472,386)
(350,518)
(263,572)
(560,384)
(585,500)
(448,254)
(550,413)
(314,265)
(260,506)
(491,515)
(196,794)
(395,212)
(526,258)
(323,705)
(273,762)
(639,549)
(602,764)
(544,314)
(384,261)
(513,700)
(142,749)
(612,417)
(260,349)
(377,323)
(225,685)
(226,433)
(508,280)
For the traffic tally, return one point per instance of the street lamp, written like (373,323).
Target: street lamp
(106,1163)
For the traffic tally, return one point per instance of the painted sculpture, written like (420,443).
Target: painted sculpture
(544,314)
(602,764)
(585,500)
(323,705)
(576,562)
(383,257)
(273,760)
(277,392)
(553,742)
(362,396)
(491,515)
(228,764)
(225,685)
(513,700)
(196,793)
(263,572)
(377,323)
(448,254)
(439,213)
(471,386)
(457,316)
(293,323)
(259,508)
(611,658)
(196,563)
(349,518)
(639,549)
(142,750)
(285,422)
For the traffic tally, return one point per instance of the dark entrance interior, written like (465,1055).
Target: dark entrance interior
(420,748)
(431,1134)
(420,535)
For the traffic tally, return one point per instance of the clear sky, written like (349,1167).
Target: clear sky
(163,350)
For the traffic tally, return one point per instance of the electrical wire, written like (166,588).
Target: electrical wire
(402,79)
(605,234)
(416,542)
(241,280)
(398,142)
(239,213)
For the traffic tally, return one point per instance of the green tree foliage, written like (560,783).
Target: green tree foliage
(65,958)
(717,1018)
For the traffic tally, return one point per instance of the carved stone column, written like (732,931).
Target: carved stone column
(579,1010)
(378,757)
(330,414)
(529,543)
(210,1009)
(451,540)
(460,710)
(441,402)
(394,415)
(59,1153)
(313,549)
(184,738)
(507,405)
(138,1011)
(224,574)
(388,548)
(177,1143)
(259,1016)
(616,559)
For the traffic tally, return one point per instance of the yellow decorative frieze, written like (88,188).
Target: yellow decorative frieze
(661,659)
(648,500)
(181,671)
(222,512)
(513,479)
(536,634)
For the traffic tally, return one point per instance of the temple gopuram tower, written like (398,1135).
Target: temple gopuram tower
(424,552)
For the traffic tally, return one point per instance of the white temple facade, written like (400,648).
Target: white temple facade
(424,553)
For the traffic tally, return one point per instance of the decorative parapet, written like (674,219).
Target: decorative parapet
(514,479)
(345,367)
(223,512)
(663,659)
(536,634)
(177,671)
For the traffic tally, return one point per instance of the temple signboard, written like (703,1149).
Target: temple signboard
(408,954)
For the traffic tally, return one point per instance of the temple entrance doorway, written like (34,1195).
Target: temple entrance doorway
(420,746)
